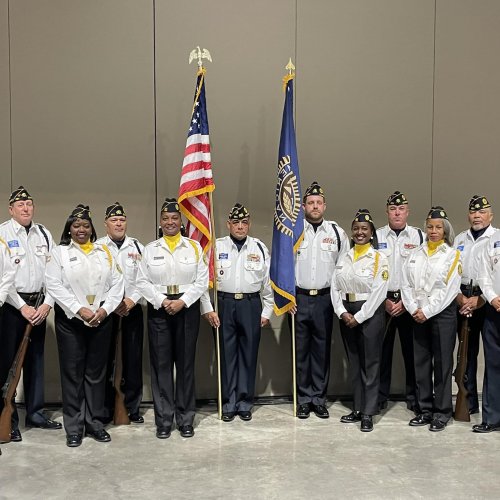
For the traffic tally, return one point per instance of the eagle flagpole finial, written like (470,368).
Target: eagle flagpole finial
(199,54)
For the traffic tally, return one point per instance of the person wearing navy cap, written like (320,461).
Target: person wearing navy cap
(172,277)
(471,244)
(359,289)
(430,285)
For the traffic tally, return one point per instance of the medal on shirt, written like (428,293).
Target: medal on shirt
(90,299)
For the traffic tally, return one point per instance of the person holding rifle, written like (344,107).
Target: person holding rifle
(430,284)
(30,246)
(127,252)
(172,277)
(471,244)
(242,285)
(87,285)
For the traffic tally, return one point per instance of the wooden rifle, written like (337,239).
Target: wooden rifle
(10,386)
(461,404)
(120,415)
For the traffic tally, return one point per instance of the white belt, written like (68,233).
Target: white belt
(171,289)
(355,297)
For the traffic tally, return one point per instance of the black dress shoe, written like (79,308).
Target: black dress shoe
(419,420)
(46,424)
(15,436)
(320,411)
(186,431)
(101,436)
(73,440)
(366,423)
(303,411)
(352,418)
(473,411)
(485,428)
(437,425)
(135,418)
(245,415)
(228,416)
(163,432)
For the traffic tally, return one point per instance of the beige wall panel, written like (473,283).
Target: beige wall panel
(82,113)
(250,43)
(364,112)
(5,171)
(467,107)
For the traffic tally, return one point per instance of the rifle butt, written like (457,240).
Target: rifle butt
(6,423)
(462,408)
(121,414)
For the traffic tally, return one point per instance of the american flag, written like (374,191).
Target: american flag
(196,176)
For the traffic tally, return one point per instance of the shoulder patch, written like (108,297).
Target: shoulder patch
(385,275)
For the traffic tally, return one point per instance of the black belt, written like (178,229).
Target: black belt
(30,298)
(475,291)
(313,292)
(238,296)
(394,296)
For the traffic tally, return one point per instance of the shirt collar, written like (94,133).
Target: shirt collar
(18,227)
(182,242)
(403,231)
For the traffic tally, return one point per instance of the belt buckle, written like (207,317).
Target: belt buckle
(172,289)
(351,297)
(238,296)
(313,292)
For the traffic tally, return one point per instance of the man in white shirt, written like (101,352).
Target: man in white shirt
(471,244)
(315,261)
(396,240)
(30,245)
(242,268)
(128,316)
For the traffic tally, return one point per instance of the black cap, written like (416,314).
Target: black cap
(238,212)
(170,205)
(314,190)
(81,212)
(115,210)
(478,202)
(397,198)
(19,194)
(437,212)
(363,215)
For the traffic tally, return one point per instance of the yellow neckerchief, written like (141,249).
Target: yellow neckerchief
(86,247)
(360,250)
(172,241)
(433,246)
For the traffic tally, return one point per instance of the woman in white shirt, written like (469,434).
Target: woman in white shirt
(358,291)
(430,284)
(87,286)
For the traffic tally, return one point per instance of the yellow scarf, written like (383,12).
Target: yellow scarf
(172,241)
(360,250)
(433,246)
(86,247)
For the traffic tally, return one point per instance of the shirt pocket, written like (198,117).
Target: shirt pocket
(303,250)
(18,257)
(223,269)
(328,252)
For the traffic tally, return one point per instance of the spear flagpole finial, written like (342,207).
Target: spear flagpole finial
(290,67)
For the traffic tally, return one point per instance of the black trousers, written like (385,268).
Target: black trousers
(491,382)
(434,342)
(172,342)
(313,338)
(404,326)
(240,337)
(476,322)
(83,354)
(12,330)
(364,351)
(132,327)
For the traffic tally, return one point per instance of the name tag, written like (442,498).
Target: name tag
(496,244)
(159,258)
(382,245)
(223,256)
(73,259)
(460,248)
(13,243)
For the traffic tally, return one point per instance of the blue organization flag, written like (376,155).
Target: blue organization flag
(288,229)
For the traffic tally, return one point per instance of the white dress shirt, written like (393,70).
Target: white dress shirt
(317,255)
(246,271)
(431,283)
(7,272)
(397,249)
(128,256)
(470,252)
(489,269)
(29,254)
(160,267)
(76,279)
(367,276)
